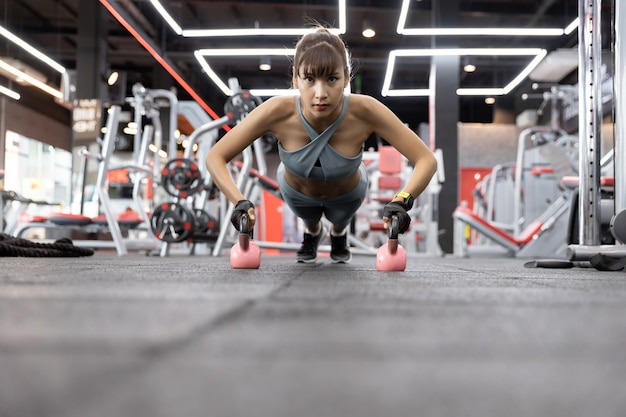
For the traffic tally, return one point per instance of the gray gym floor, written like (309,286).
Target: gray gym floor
(188,336)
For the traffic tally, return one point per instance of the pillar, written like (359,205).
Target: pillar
(444,118)
(91,70)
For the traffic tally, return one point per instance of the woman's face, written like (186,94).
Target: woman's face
(321,94)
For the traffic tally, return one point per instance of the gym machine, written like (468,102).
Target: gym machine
(589,246)
(111,223)
(186,217)
(523,206)
(597,229)
(142,168)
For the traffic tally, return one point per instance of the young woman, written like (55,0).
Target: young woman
(321,135)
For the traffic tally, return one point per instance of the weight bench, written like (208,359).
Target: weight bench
(504,239)
(515,245)
(69,223)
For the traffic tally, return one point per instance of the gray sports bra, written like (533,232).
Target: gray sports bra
(317,160)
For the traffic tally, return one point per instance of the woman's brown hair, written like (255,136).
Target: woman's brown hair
(319,53)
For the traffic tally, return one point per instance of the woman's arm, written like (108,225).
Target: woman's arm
(253,126)
(386,124)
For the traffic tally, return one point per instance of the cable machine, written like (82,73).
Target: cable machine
(590,119)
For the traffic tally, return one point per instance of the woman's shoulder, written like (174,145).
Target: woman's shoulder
(278,107)
(286,102)
(363,105)
(364,100)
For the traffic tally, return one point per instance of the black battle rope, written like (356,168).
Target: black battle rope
(13,246)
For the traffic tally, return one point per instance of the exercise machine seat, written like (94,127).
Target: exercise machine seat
(505,239)
(65,219)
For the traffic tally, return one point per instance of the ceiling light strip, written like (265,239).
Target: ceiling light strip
(247,52)
(409,92)
(467,51)
(271,92)
(481,92)
(259,92)
(212,75)
(404,12)
(30,79)
(208,33)
(200,55)
(482,32)
(32,50)
(525,72)
(343,13)
(403,30)
(10,93)
(387,91)
(571,27)
(167,17)
(197,33)
(227,91)
(117,13)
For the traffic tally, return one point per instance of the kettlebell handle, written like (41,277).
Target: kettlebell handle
(394,226)
(244,223)
(244,232)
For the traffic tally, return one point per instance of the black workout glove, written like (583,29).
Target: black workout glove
(396,208)
(241,208)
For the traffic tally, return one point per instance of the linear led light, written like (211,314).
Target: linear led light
(30,79)
(167,17)
(480,92)
(525,72)
(31,50)
(271,92)
(481,32)
(201,55)
(10,93)
(408,92)
(537,53)
(194,33)
(197,33)
(402,30)
(247,52)
(571,27)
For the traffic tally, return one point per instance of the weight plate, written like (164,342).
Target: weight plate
(171,222)
(206,223)
(181,178)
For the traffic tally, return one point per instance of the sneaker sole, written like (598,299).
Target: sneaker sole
(306,261)
(341,261)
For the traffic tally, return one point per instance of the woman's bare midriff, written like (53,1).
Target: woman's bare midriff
(322,189)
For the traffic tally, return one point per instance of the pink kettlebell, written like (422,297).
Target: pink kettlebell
(391,256)
(245,254)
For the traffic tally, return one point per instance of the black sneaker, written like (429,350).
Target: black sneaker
(308,250)
(339,250)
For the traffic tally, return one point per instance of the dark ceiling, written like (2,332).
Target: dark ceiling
(52,26)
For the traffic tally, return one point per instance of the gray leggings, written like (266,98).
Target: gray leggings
(338,210)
